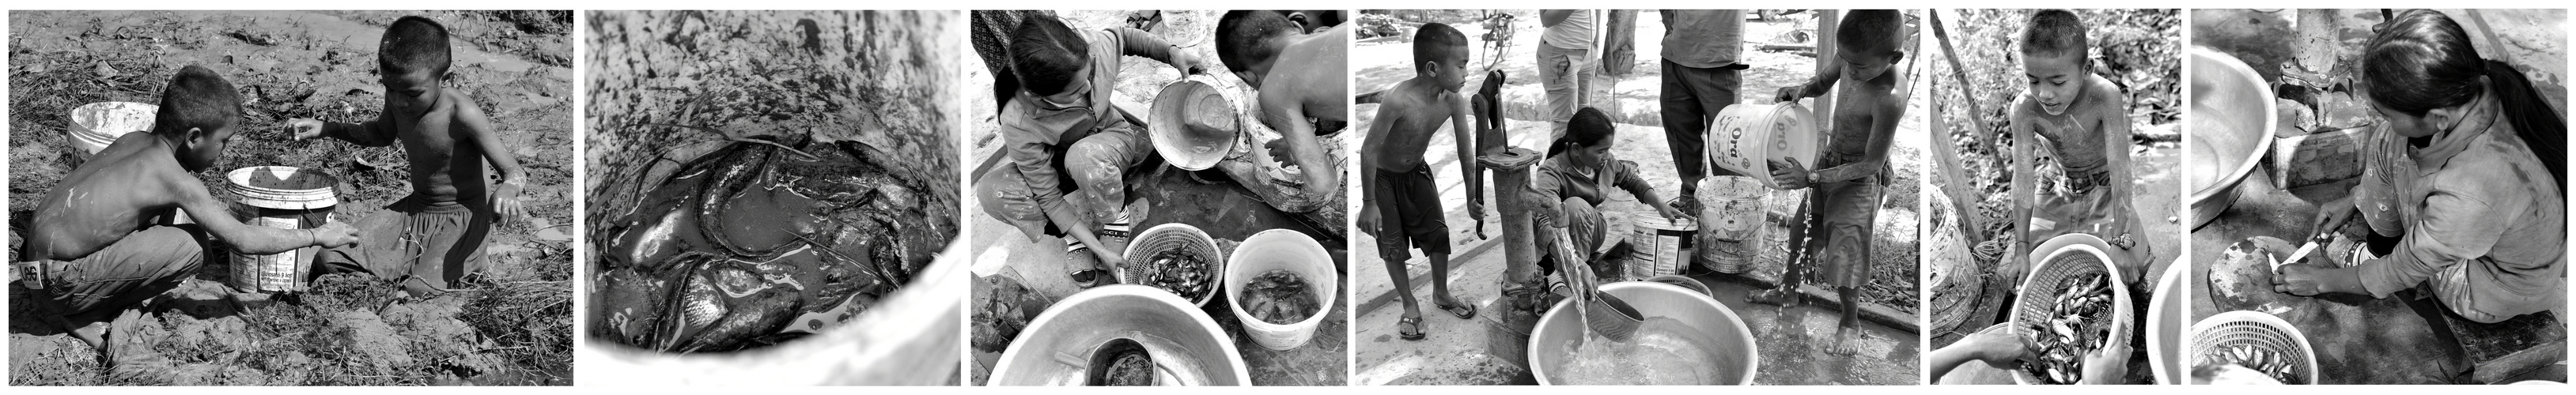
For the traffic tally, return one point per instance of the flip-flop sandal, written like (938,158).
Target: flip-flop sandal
(1417,333)
(1087,278)
(1468,314)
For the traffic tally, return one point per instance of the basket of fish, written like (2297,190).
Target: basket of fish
(1175,257)
(2072,305)
(2254,340)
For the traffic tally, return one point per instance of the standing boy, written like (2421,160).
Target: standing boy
(1852,166)
(1402,203)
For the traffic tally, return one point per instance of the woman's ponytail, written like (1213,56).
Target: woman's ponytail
(2532,117)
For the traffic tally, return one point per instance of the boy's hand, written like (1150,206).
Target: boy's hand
(334,234)
(2107,365)
(1999,348)
(1789,174)
(1790,93)
(305,128)
(1369,221)
(505,201)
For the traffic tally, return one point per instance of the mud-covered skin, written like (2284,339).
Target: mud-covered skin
(737,247)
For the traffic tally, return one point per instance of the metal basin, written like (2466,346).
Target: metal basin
(2232,118)
(1186,345)
(1562,327)
(2164,326)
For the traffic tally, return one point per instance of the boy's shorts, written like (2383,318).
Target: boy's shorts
(142,265)
(1847,215)
(417,244)
(1409,214)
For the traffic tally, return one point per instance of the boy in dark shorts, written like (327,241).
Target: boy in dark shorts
(1402,203)
(1852,171)
(428,241)
(102,241)
(1070,150)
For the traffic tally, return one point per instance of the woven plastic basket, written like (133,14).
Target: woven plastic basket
(2039,291)
(2213,339)
(1166,237)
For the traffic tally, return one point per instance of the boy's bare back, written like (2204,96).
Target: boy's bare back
(1313,79)
(1859,110)
(107,197)
(1411,114)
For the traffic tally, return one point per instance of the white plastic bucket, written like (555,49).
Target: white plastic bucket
(1278,249)
(96,125)
(1196,122)
(1655,245)
(1731,222)
(285,198)
(1746,137)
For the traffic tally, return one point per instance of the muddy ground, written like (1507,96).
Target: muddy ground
(512,327)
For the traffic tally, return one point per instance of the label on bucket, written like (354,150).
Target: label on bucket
(278,272)
(1744,138)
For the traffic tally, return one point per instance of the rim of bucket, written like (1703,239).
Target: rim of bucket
(1169,130)
(1752,345)
(1295,240)
(324,195)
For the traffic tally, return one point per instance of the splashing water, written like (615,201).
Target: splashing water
(1664,351)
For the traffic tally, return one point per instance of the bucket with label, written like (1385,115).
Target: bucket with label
(1655,245)
(1746,137)
(1731,222)
(285,198)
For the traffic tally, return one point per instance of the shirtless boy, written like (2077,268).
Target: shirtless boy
(1402,203)
(101,241)
(1297,76)
(2083,119)
(1852,168)
(428,241)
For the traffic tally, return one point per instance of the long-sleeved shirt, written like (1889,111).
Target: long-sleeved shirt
(1557,179)
(2475,196)
(1703,38)
(1034,136)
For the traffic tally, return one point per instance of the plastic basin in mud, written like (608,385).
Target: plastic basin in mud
(1281,249)
(1729,346)
(2164,326)
(2039,290)
(1186,346)
(909,338)
(2232,118)
(96,125)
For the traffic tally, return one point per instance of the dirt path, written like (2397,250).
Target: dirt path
(513,328)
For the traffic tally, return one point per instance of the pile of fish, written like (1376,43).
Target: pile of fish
(2271,363)
(1279,297)
(2076,327)
(1182,272)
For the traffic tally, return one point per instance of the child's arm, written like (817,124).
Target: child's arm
(1387,116)
(374,133)
(202,206)
(2020,125)
(1998,348)
(1460,122)
(1284,113)
(1826,76)
(478,131)
(2114,115)
(1145,44)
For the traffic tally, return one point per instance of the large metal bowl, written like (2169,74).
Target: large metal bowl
(1184,342)
(1563,326)
(2165,313)
(2232,118)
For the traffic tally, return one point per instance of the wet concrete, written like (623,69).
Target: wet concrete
(1794,339)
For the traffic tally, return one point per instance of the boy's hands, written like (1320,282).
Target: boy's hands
(305,128)
(1999,348)
(505,201)
(1790,174)
(1369,221)
(334,234)
(2107,365)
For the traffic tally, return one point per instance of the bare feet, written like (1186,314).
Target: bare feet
(95,333)
(1779,297)
(1843,343)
